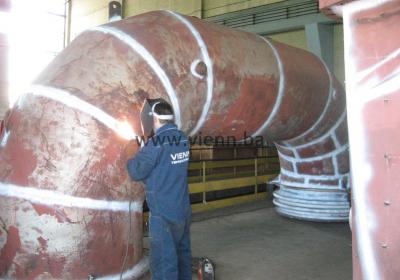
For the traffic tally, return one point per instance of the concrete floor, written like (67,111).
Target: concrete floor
(253,242)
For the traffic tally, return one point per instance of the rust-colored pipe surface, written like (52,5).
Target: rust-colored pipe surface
(65,193)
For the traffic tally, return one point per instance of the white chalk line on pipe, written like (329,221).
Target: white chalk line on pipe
(4,139)
(389,86)
(332,154)
(210,74)
(72,101)
(335,140)
(307,185)
(133,273)
(193,69)
(53,198)
(281,90)
(313,177)
(307,180)
(315,158)
(316,140)
(151,61)
(327,104)
(389,58)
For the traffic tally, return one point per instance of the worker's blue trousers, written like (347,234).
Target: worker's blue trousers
(170,254)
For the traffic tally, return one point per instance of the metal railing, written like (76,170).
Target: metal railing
(234,180)
(268,14)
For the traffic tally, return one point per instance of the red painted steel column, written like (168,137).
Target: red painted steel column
(64,191)
(372,41)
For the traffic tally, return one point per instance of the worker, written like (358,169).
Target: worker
(162,164)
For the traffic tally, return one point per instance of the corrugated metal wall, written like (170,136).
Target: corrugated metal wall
(89,13)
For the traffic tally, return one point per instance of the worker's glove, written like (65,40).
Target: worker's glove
(131,148)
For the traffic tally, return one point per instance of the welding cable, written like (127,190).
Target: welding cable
(127,244)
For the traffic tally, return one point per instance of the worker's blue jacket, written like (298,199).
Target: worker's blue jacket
(162,164)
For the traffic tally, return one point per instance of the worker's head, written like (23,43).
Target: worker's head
(162,114)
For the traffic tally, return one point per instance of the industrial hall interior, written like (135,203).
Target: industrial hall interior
(200,139)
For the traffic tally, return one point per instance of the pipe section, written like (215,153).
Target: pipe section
(65,197)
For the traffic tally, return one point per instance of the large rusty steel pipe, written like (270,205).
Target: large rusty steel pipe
(65,197)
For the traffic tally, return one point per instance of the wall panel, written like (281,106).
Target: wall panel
(217,7)
(188,7)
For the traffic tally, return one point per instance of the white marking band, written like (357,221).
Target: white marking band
(133,273)
(144,53)
(281,90)
(327,104)
(312,177)
(210,73)
(315,158)
(316,140)
(4,139)
(307,178)
(53,198)
(388,58)
(193,69)
(74,102)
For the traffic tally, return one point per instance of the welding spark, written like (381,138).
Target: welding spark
(124,129)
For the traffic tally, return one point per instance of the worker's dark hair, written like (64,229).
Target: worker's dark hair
(163,108)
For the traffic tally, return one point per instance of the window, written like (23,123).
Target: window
(36,35)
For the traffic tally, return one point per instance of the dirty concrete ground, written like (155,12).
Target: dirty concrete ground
(251,242)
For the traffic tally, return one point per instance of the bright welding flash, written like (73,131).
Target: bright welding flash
(125,130)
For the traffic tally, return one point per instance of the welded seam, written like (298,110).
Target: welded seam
(307,178)
(341,203)
(321,116)
(151,61)
(315,158)
(334,206)
(72,101)
(325,135)
(389,85)
(53,198)
(295,153)
(193,69)
(335,140)
(281,90)
(307,185)
(210,74)
(331,133)
(335,164)
(133,273)
(389,58)
(4,139)
(289,159)
(312,177)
